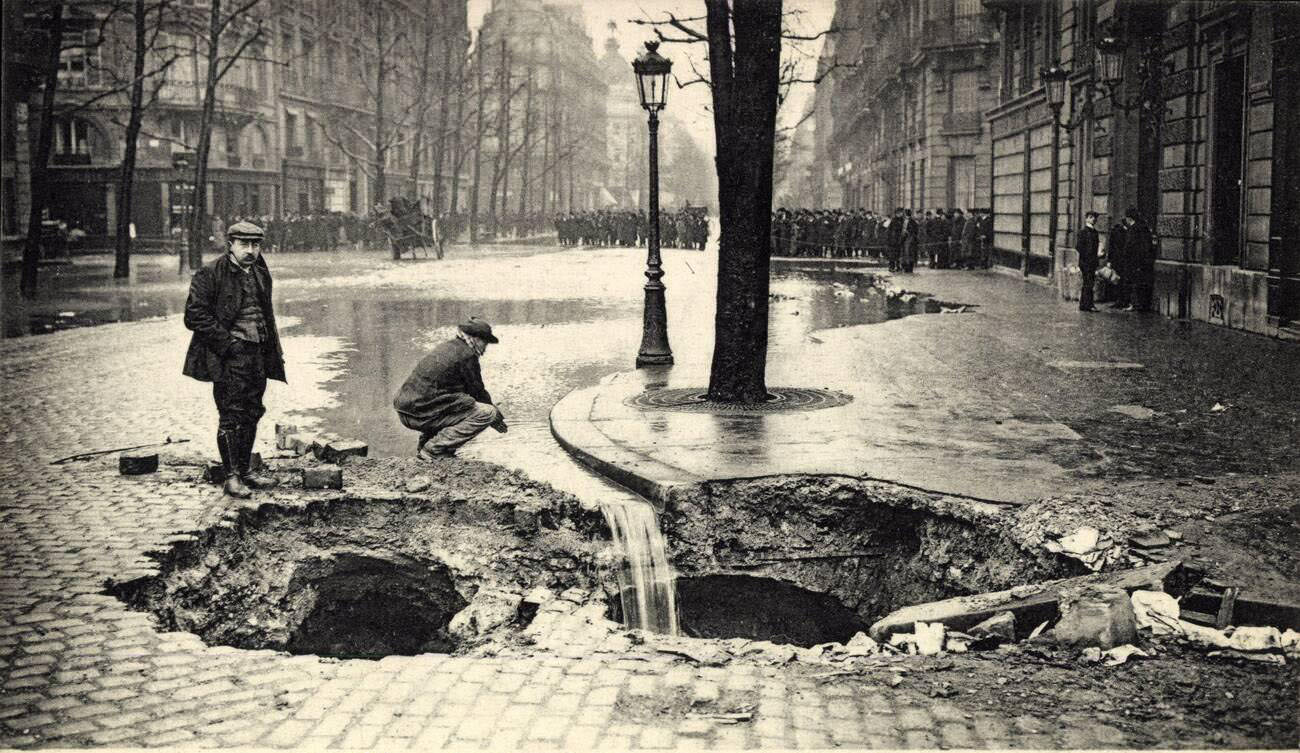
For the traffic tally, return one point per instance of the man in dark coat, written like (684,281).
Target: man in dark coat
(1087,247)
(236,347)
(1117,256)
(1140,259)
(444,398)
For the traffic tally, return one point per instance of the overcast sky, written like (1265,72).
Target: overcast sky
(687,104)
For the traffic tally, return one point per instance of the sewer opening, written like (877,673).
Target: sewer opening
(367,608)
(363,579)
(762,609)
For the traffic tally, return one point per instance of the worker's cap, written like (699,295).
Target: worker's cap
(244,230)
(479,328)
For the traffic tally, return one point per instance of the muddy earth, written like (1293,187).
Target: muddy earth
(415,557)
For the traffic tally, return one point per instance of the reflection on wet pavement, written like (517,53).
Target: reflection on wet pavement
(566,318)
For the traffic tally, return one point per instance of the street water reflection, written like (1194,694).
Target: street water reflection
(566,319)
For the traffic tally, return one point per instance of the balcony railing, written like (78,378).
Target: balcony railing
(71,158)
(941,32)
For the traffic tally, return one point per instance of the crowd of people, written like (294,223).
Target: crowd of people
(687,227)
(941,238)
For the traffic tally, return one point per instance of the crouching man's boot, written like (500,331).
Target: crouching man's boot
(254,480)
(228,442)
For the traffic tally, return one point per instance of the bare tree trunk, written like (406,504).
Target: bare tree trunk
(502,161)
(478,142)
(745,73)
(381,147)
(199,219)
(527,144)
(546,153)
(457,156)
(40,164)
(441,144)
(422,109)
(126,184)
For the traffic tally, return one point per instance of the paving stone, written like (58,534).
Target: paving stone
(288,733)
(361,736)
(110,736)
(67,729)
(432,737)
(128,719)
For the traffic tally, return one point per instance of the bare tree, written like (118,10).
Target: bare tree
(146,41)
(40,184)
(748,81)
(479,134)
(220,28)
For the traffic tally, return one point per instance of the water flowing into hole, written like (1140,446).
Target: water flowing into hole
(646,578)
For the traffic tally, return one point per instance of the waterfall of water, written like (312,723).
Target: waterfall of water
(645,579)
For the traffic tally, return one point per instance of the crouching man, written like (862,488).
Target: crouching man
(444,398)
(236,347)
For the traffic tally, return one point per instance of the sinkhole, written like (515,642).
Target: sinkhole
(363,579)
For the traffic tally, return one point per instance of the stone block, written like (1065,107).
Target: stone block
(1001,626)
(337,450)
(487,611)
(137,462)
(1096,615)
(301,444)
(322,477)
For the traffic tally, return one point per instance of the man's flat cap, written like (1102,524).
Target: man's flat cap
(245,231)
(479,328)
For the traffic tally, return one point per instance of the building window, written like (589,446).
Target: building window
(72,137)
(965,91)
(967,8)
(289,73)
(78,60)
(290,131)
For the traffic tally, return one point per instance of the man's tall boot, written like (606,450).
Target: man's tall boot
(248,435)
(229,443)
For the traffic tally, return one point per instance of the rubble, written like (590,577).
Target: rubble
(337,450)
(1001,627)
(1095,615)
(322,477)
(488,610)
(1088,545)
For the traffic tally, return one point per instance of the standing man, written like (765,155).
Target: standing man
(236,347)
(444,398)
(1087,247)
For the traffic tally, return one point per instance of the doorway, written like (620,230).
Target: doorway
(1228,169)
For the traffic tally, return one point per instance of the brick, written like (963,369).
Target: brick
(322,477)
(337,450)
(288,733)
(110,736)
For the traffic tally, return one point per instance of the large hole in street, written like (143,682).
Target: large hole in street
(362,578)
(814,559)
(762,609)
(368,608)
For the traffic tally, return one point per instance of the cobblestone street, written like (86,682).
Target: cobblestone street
(79,668)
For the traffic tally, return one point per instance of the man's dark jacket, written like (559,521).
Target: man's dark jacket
(1087,247)
(445,382)
(215,298)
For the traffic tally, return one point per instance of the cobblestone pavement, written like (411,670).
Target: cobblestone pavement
(78,668)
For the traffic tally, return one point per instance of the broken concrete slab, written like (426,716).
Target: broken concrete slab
(137,462)
(1151,540)
(1001,626)
(964,612)
(1095,615)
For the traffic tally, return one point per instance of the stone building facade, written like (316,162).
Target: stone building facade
(908,126)
(1186,138)
(565,163)
(274,150)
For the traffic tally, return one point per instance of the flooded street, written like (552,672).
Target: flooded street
(566,319)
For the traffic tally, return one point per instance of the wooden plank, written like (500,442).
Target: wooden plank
(963,612)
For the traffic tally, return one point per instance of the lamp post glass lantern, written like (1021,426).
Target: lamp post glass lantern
(652,71)
(1054,80)
(1111,51)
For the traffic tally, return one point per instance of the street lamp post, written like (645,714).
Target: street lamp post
(652,71)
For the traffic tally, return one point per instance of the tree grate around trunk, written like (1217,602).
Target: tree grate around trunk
(780,400)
